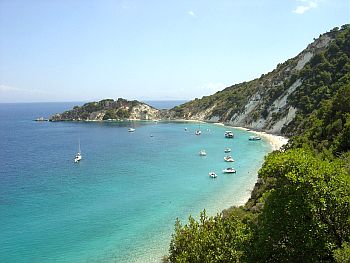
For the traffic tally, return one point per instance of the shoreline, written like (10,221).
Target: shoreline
(276,141)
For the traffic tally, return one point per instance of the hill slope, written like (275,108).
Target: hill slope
(299,210)
(271,102)
(109,109)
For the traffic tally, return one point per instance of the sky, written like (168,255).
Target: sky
(88,50)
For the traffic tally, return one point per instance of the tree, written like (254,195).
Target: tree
(307,213)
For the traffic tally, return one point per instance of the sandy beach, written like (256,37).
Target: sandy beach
(276,141)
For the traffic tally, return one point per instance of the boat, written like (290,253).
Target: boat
(227,150)
(254,138)
(229,134)
(212,175)
(78,156)
(41,119)
(228,159)
(198,132)
(131,130)
(202,153)
(229,170)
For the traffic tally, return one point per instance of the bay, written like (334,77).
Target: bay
(119,204)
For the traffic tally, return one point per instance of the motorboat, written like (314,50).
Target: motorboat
(131,129)
(228,159)
(254,138)
(212,175)
(229,170)
(198,132)
(227,150)
(78,156)
(229,134)
(202,153)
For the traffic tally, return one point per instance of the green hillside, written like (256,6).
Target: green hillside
(299,210)
(278,100)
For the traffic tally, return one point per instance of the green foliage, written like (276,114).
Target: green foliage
(305,217)
(342,255)
(328,128)
(299,210)
(322,77)
(122,114)
(110,114)
(222,238)
(307,213)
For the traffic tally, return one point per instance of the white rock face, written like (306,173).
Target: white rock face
(97,115)
(276,128)
(202,115)
(144,112)
(282,100)
(303,60)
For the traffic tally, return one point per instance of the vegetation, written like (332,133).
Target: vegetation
(299,210)
(102,110)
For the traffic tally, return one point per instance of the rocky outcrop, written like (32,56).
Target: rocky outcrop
(109,110)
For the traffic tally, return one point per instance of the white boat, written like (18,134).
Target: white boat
(198,132)
(131,130)
(254,138)
(78,156)
(202,153)
(229,170)
(227,150)
(212,175)
(229,134)
(228,159)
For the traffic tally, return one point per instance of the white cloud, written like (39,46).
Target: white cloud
(191,13)
(10,89)
(305,5)
(5,88)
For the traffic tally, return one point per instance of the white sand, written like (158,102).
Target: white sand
(276,141)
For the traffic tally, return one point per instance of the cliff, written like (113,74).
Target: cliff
(265,103)
(109,109)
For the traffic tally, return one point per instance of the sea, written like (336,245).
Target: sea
(120,203)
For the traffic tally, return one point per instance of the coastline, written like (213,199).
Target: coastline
(276,141)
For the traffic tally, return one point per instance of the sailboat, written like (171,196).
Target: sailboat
(198,132)
(131,129)
(78,155)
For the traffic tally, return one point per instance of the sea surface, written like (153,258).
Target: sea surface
(119,204)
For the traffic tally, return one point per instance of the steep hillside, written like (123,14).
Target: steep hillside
(273,101)
(109,110)
(299,210)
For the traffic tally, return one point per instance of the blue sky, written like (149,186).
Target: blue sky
(84,50)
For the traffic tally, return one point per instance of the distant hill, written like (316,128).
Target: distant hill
(109,109)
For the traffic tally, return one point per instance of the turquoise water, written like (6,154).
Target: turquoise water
(120,202)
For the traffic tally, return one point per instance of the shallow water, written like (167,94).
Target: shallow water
(120,202)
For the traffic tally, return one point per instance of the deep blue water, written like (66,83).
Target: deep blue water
(120,202)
